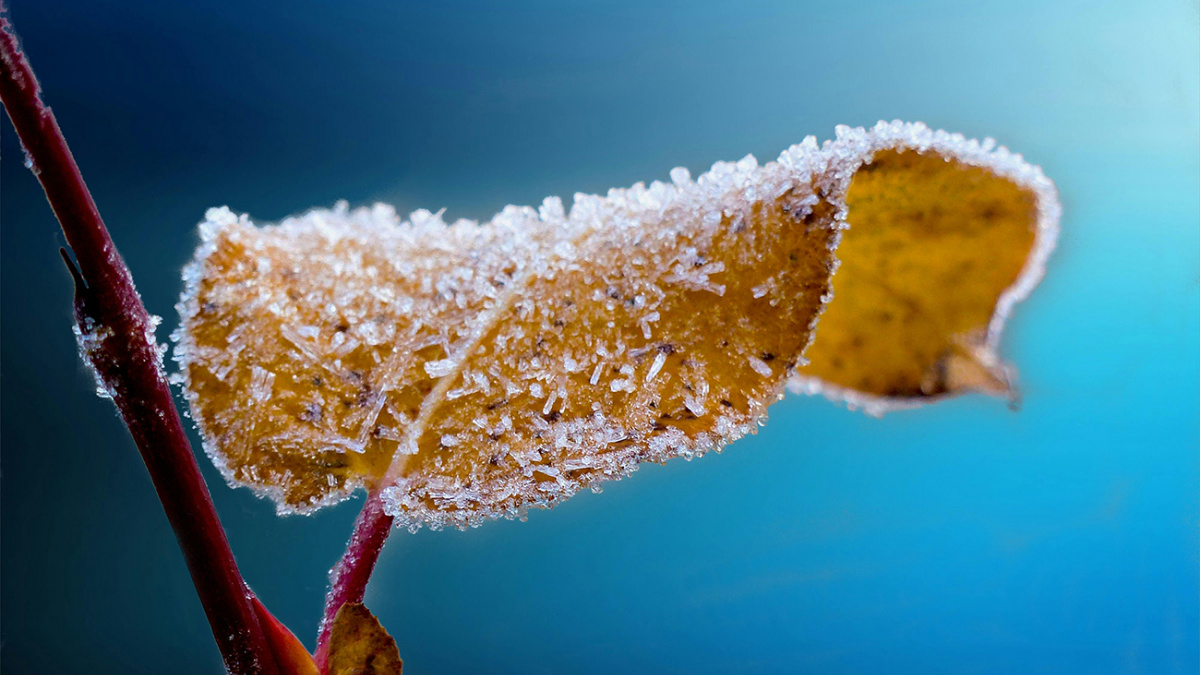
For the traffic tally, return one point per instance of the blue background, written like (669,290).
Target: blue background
(957,538)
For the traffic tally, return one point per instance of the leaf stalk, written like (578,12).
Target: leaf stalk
(117,338)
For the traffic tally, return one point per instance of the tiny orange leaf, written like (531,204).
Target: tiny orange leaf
(290,654)
(359,644)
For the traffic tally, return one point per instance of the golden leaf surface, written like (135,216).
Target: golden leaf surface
(471,371)
(943,237)
(359,644)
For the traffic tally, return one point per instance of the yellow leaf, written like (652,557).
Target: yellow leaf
(472,371)
(482,369)
(359,645)
(945,235)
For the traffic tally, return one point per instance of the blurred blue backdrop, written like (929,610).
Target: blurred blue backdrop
(958,538)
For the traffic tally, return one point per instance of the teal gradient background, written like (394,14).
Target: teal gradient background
(960,538)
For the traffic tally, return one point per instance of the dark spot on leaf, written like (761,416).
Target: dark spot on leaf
(313,413)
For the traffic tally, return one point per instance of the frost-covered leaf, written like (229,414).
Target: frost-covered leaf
(470,371)
(481,369)
(945,235)
(359,644)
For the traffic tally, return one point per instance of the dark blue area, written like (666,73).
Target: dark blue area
(959,538)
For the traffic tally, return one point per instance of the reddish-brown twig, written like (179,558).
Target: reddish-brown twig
(348,579)
(117,338)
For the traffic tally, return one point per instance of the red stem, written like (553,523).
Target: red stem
(126,358)
(348,579)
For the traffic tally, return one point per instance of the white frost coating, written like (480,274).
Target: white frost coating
(524,236)
(160,349)
(89,337)
(855,146)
